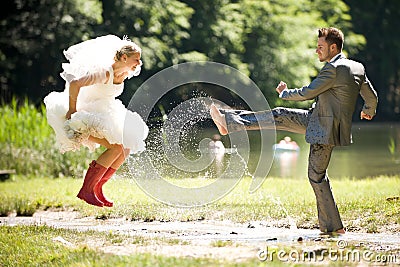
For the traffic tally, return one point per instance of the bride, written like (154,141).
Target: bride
(87,112)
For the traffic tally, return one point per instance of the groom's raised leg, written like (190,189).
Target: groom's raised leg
(227,121)
(219,120)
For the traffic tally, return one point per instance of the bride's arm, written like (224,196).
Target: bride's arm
(76,84)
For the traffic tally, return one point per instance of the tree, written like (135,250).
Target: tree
(34,32)
(281,40)
(378,21)
(267,40)
(158,26)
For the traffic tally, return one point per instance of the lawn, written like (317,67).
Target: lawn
(367,205)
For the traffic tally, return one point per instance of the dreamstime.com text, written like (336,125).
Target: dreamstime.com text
(339,254)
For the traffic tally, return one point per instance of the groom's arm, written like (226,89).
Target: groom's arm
(370,98)
(323,82)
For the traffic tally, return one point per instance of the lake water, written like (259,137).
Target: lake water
(375,151)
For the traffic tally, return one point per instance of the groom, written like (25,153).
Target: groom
(326,125)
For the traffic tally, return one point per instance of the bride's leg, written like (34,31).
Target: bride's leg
(107,157)
(110,172)
(98,189)
(121,159)
(97,169)
(112,153)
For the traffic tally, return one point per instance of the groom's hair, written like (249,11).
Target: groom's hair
(332,36)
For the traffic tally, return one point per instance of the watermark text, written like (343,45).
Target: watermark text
(341,253)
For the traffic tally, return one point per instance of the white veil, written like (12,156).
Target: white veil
(93,55)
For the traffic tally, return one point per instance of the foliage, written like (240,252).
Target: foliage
(159,26)
(266,40)
(337,13)
(378,21)
(269,41)
(279,42)
(34,32)
(27,144)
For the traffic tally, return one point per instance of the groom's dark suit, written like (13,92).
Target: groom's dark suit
(336,88)
(326,125)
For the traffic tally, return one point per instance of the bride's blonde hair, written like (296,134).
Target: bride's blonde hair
(127,50)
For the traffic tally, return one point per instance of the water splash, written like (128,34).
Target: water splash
(276,200)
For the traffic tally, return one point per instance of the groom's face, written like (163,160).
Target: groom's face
(324,50)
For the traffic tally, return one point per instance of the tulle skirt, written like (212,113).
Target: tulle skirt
(102,118)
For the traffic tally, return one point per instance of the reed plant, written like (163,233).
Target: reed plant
(27,143)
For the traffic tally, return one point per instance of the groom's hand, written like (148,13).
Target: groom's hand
(281,86)
(365,116)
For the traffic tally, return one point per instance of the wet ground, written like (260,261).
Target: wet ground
(217,239)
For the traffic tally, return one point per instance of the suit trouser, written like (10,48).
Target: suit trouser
(296,120)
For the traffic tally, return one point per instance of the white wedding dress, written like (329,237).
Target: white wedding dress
(99,113)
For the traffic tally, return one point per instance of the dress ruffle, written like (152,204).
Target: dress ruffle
(102,118)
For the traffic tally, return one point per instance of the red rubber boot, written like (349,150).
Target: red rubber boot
(92,177)
(98,189)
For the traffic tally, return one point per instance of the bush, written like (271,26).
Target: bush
(27,144)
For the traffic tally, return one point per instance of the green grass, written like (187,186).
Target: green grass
(363,203)
(35,246)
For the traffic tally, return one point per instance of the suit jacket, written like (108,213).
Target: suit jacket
(335,89)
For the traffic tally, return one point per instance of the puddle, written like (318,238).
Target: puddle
(247,239)
(254,232)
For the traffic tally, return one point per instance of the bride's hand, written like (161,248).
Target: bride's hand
(120,77)
(69,113)
(124,75)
